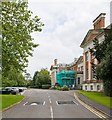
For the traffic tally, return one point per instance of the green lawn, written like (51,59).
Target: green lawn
(8,100)
(98,97)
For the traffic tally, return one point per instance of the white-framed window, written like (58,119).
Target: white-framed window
(81,68)
(91,87)
(98,87)
(93,71)
(85,87)
(78,80)
(87,74)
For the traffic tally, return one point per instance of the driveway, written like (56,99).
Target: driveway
(48,104)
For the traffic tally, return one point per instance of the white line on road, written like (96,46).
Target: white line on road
(44,103)
(50,100)
(51,110)
(75,102)
(25,103)
(57,103)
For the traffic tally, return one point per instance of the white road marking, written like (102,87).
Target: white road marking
(25,103)
(44,103)
(50,101)
(33,104)
(51,110)
(57,102)
(75,102)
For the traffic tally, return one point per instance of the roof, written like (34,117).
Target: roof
(80,60)
(102,14)
(91,34)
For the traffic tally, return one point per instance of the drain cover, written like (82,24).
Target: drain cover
(65,102)
(35,103)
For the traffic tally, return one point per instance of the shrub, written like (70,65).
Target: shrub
(58,88)
(53,88)
(65,88)
(47,86)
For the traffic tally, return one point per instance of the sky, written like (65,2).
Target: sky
(66,24)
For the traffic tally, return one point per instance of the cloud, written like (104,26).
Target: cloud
(66,24)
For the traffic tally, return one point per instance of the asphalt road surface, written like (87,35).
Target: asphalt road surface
(48,104)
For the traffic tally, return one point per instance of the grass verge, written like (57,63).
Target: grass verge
(8,100)
(98,97)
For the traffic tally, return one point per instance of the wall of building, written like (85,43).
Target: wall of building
(110,12)
(87,87)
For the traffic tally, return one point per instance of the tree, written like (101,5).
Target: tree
(41,78)
(17,26)
(103,53)
(17,43)
(13,78)
(35,78)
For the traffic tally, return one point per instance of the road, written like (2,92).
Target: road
(47,104)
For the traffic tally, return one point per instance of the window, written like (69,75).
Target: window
(81,68)
(93,71)
(78,80)
(86,87)
(91,87)
(86,56)
(87,73)
(98,87)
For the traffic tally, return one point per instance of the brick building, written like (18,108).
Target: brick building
(89,81)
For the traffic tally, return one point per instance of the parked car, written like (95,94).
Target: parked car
(5,91)
(14,91)
(21,89)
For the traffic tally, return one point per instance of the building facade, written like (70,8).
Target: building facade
(90,83)
(79,73)
(62,73)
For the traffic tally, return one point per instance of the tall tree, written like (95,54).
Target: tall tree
(17,43)
(103,53)
(41,78)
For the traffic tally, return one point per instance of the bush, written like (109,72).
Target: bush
(53,88)
(58,88)
(47,86)
(65,88)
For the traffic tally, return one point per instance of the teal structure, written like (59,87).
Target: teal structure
(65,77)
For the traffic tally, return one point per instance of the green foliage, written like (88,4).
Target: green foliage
(17,43)
(13,78)
(53,88)
(98,97)
(41,78)
(47,86)
(65,88)
(103,54)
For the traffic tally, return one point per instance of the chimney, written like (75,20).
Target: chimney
(99,22)
(55,62)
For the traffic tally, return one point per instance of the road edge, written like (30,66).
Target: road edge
(94,110)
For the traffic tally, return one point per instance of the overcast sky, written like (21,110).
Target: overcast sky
(66,24)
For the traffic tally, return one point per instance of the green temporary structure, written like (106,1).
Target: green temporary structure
(65,77)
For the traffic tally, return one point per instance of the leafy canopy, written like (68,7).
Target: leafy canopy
(41,78)
(103,53)
(17,26)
